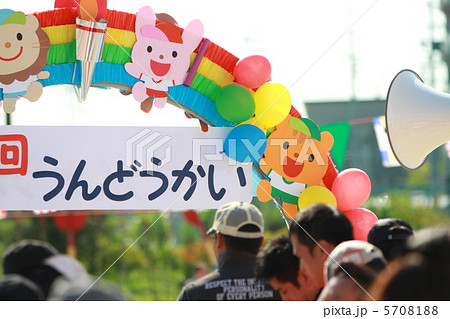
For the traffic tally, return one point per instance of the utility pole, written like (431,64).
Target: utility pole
(434,187)
(437,183)
(445,7)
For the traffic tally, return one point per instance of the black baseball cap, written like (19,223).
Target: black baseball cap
(390,235)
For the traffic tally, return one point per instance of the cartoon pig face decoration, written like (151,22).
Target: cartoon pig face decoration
(163,50)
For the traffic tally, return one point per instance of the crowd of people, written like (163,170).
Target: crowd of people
(318,259)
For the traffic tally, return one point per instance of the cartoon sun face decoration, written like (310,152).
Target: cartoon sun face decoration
(23,55)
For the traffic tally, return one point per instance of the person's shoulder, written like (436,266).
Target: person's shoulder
(193,289)
(203,280)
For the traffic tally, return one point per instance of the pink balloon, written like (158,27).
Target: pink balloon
(351,188)
(252,71)
(362,221)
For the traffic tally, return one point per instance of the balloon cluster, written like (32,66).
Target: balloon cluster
(255,104)
(350,190)
(259,105)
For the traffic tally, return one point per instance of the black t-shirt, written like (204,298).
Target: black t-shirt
(233,280)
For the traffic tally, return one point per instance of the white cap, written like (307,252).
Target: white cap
(230,218)
(355,251)
(67,266)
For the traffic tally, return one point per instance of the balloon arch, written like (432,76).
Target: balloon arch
(154,60)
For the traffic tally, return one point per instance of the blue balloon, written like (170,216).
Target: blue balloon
(245,143)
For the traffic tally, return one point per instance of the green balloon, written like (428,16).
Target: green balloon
(235,103)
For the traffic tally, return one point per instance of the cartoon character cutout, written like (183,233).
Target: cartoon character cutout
(296,157)
(23,55)
(160,56)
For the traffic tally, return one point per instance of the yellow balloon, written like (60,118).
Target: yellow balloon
(272,104)
(253,121)
(314,195)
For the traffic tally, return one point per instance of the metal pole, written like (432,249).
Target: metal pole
(435,179)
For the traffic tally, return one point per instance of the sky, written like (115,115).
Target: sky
(310,45)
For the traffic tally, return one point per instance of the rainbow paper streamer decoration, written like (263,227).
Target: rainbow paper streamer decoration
(211,66)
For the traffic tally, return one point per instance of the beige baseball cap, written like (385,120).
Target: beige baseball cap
(230,219)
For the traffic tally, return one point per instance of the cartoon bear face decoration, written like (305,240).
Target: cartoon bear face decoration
(23,46)
(297,151)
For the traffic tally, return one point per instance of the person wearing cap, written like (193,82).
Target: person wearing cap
(277,263)
(27,258)
(238,230)
(390,235)
(350,282)
(350,269)
(355,251)
(314,233)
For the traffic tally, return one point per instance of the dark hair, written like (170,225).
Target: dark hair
(362,274)
(249,245)
(377,265)
(277,260)
(321,221)
(43,276)
(423,273)
(413,277)
(14,287)
(433,243)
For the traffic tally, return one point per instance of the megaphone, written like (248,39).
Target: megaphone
(417,119)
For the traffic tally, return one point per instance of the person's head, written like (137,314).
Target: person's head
(350,282)
(357,252)
(314,233)
(25,255)
(14,287)
(421,274)
(390,235)
(27,258)
(413,277)
(238,226)
(433,243)
(277,263)
(102,290)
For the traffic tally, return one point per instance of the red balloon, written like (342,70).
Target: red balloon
(252,71)
(351,188)
(362,221)
(70,222)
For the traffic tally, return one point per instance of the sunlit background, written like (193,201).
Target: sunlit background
(320,50)
(337,59)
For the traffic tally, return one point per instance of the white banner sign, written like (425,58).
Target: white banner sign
(72,167)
